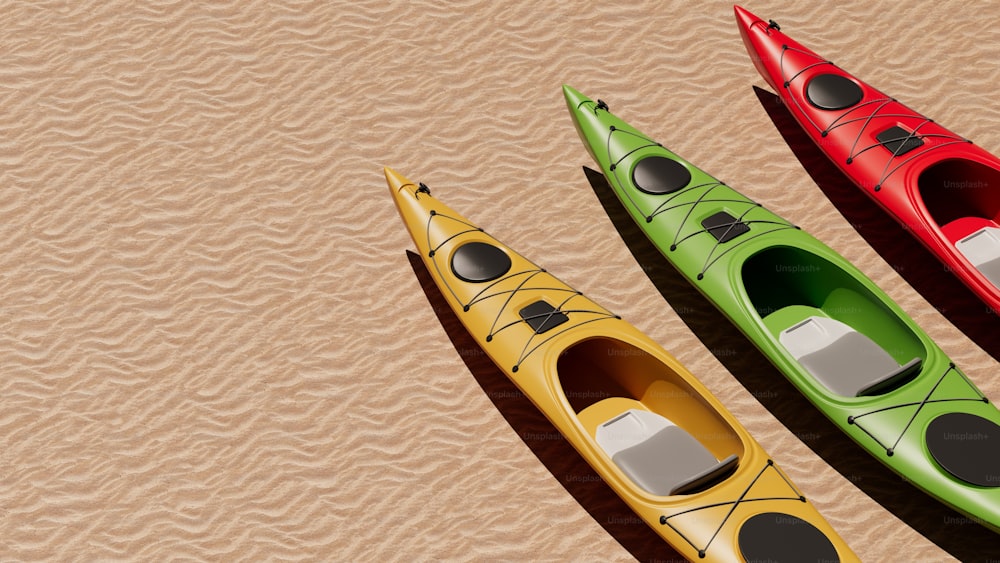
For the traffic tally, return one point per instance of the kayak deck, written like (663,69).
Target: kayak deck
(936,183)
(654,433)
(829,329)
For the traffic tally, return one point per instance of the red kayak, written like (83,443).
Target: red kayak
(939,186)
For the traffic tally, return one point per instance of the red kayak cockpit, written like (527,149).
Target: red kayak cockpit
(962,197)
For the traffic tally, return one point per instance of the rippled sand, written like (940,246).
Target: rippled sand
(214,346)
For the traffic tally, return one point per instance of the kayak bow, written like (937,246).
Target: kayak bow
(943,189)
(645,424)
(835,335)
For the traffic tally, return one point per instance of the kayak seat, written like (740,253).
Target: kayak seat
(844,360)
(660,456)
(982,248)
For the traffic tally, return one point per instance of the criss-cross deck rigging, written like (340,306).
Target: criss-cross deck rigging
(882,114)
(536,279)
(890,450)
(644,423)
(913,409)
(678,200)
(733,504)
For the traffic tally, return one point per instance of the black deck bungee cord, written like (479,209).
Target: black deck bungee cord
(482,295)
(868,119)
(665,520)
(665,207)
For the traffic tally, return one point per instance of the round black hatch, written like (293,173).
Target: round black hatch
(773,536)
(967,446)
(479,262)
(833,91)
(659,175)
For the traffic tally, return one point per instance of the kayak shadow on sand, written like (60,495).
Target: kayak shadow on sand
(909,258)
(956,534)
(548,445)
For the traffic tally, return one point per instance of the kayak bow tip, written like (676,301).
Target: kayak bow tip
(745,17)
(586,122)
(395,180)
(574,99)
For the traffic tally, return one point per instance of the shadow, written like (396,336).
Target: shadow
(548,445)
(956,534)
(921,269)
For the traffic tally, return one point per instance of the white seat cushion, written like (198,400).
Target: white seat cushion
(658,455)
(982,248)
(841,358)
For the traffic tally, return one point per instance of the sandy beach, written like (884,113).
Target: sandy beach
(215,347)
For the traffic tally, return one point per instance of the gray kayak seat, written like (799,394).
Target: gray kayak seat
(982,248)
(658,455)
(842,359)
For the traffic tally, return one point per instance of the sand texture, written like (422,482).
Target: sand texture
(214,346)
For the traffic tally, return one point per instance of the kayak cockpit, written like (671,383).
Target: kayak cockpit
(830,323)
(662,435)
(963,199)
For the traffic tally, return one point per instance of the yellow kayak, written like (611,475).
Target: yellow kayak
(646,425)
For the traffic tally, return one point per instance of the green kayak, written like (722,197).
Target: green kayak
(835,335)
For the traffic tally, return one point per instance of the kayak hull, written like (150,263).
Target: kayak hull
(581,365)
(940,186)
(767,277)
